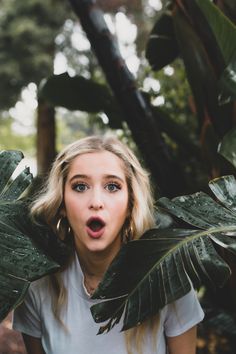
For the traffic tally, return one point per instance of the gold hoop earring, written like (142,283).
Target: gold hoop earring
(128,234)
(62,232)
(58,225)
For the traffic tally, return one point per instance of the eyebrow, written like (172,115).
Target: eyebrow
(88,177)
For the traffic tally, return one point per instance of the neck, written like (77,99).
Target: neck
(94,267)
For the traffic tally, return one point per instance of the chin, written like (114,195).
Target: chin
(96,248)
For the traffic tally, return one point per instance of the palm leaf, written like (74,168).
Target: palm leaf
(151,272)
(162,47)
(227,83)
(79,93)
(228,145)
(22,258)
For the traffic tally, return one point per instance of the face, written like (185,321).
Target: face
(96,201)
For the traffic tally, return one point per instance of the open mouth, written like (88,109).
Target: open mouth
(95,224)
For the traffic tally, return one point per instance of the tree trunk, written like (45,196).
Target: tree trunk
(137,112)
(46,149)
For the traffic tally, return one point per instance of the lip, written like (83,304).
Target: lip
(92,233)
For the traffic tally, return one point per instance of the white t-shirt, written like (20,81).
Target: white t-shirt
(35,318)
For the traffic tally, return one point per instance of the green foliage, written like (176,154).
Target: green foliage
(227,83)
(205,40)
(221,28)
(162,47)
(27,34)
(176,33)
(159,265)
(21,261)
(75,93)
(78,93)
(227,147)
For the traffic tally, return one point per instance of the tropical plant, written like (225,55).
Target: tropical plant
(200,33)
(161,264)
(195,30)
(158,266)
(25,248)
(155,267)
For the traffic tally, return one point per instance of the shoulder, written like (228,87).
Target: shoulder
(182,314)
(40,285)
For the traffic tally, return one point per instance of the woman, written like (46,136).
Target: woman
(97,197)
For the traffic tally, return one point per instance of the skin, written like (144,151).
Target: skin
(96,186)
(33,345)
(184,343)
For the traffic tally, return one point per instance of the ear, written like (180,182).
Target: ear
(62,211)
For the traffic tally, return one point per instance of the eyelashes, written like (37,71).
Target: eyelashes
(82,187)
(112,187)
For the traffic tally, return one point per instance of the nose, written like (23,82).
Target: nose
(96,201)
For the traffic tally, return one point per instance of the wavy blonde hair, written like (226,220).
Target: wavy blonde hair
(49,204)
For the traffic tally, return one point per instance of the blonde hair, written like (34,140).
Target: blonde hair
(49,203)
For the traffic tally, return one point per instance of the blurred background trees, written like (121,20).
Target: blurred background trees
(56,43)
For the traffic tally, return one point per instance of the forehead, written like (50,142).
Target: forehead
(99,162)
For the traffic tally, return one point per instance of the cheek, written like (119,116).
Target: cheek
(72,206)
(122,207)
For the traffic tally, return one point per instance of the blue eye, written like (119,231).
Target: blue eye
(80,187)
(112,187)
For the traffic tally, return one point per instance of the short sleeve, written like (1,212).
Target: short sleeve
(26,317)
(182,314)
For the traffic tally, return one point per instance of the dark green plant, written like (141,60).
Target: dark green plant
(161,264)
(158,266)
(199,32)
(196,31)
(24,247)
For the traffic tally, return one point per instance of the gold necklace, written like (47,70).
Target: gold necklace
(90,289)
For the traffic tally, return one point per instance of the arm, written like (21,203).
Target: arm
(185,343)
(33,345)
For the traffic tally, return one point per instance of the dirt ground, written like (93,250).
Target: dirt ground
(10,341)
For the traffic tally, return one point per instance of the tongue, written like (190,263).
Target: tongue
(95,225)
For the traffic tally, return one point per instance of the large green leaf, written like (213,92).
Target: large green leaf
(227,83)
(151,272)
(8,162)
(79,93)
(227,147)
(22,257)
(162,47)
(225,191)
(75,93)
(221,27)
(202,79)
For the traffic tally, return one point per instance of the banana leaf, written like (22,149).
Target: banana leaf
(79,93)
(197,29)
(221,28)
(22,257)
(227,83)
(227,147)
(162,47)
(155,270)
